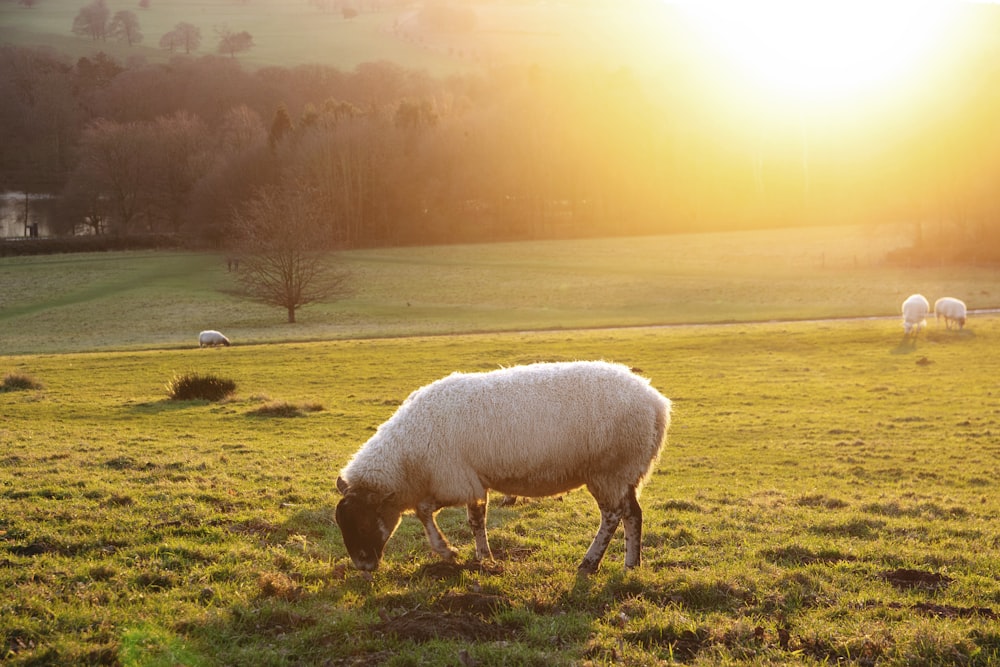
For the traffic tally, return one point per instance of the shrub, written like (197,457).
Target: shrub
(19,382)
(193,387)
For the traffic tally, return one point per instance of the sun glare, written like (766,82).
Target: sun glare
(825,51)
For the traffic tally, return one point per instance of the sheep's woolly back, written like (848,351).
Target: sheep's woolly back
(915,310)
(531,430)
(212,337)
(950,307)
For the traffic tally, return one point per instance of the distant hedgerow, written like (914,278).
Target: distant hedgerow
(193,387)
(19,382)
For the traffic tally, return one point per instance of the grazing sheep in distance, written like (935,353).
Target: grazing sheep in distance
(915,310)
(535,430)
(212,338)
(951,309)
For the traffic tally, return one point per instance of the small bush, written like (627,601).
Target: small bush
(193,387)
(19,382)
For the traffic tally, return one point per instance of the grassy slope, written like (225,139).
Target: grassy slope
(640,36)
(285,33)
(141,300)
(805,460)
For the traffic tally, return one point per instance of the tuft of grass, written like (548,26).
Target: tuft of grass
(195,387)
(19,382)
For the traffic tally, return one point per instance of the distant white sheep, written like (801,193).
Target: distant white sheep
(212,338)
(915,310)
(951,309)
(536,430)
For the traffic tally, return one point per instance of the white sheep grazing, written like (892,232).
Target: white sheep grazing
(915,310)
(536,430)
(212,338)
(951,309)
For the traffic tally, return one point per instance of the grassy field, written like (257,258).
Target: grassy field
(75,303)
(644,37)
(828,493)
(285,33)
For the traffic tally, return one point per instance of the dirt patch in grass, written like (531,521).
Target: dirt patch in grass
(442,571)
(282,409)
(906,579)
(949,611)
(797,555)
(420,626)
(684,645)
(472,603)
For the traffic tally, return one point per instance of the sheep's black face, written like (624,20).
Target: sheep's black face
(366,525)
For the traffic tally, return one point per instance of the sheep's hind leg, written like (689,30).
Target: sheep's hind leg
(632,521)
(610,518)
(425,512)
(477,522)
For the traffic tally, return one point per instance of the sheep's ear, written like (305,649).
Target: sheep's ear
(342,485)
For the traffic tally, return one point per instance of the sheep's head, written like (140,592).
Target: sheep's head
(367,519)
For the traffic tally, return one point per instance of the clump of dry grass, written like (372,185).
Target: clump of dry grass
(278,585)
(19,382)
(193,387)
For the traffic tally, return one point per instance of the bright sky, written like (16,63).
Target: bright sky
(811,51)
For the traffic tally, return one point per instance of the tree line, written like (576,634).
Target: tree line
(395,156)
(95,21)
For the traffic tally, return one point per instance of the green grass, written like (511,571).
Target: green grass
(827,494)
(285,33)
(67,303)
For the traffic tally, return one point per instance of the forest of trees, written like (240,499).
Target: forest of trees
(396,156)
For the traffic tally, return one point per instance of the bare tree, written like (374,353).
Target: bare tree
(241,129)
(284,253)
(92,20)
(179,157)
(232,43)
(184,35)
(124,26)
(114,160)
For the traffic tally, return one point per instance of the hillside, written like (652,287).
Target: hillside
(290,34)
(141,300)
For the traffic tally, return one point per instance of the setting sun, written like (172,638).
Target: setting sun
(810,51)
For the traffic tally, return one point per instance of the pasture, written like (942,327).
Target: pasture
(828,491)
(130,301)
(285,34)
(297,33)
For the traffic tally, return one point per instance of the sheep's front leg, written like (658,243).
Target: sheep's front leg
(425,512)
(611,516)
(477,522)
(632,520)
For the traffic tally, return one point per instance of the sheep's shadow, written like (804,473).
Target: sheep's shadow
(950,335)
(906,345)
